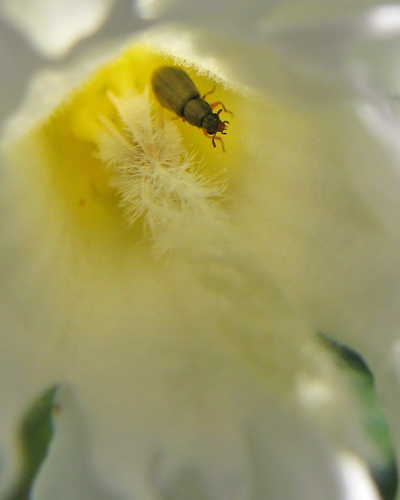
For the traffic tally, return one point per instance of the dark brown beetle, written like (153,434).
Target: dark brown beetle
(176,92)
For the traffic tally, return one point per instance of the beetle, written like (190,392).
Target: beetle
(176,92)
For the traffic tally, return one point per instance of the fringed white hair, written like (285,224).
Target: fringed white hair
(156,178)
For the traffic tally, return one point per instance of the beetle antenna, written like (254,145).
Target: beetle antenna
(213,138)
(219,103)
(210,92)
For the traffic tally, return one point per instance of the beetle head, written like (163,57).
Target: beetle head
(213,124)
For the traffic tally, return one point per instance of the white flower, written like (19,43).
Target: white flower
(54,27)
(174,292)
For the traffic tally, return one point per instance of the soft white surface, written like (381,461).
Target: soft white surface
(357,480)
(188,363)
(54,26)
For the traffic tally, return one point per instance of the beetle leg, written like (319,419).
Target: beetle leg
(218,139)
(219,103)
(213,137)
(210,92)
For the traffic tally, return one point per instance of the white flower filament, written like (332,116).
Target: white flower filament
(154,175)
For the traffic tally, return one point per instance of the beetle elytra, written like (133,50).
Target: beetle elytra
(175,91)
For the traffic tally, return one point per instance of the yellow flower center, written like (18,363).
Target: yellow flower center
(70,140)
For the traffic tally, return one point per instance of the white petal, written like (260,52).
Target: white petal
(138,340)
(17,62)
(176,364)
(318,51)
(201,454)
(358,483)
(54,26)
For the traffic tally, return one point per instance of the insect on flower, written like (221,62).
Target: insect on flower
(176,92)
